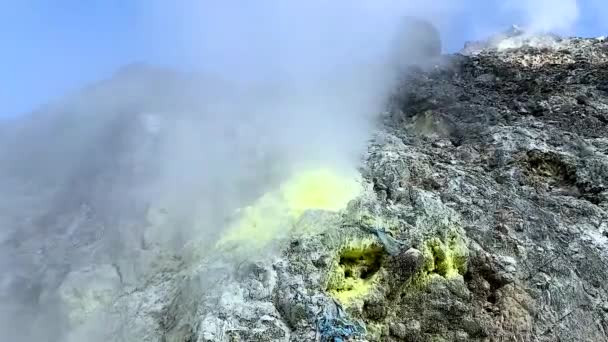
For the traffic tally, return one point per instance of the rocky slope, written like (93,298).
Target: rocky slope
(511,144)
(482,216)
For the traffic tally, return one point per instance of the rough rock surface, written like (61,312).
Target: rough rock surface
(484,217)
(513,143)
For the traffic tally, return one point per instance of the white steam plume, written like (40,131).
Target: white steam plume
(301,84)
(558,16)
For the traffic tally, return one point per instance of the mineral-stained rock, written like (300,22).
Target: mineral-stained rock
(521,182)
(483,217)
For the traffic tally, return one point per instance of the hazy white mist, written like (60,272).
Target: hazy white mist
(280,85)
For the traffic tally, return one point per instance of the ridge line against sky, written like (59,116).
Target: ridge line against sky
(53,47)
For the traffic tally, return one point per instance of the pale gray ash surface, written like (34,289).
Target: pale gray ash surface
(484,217)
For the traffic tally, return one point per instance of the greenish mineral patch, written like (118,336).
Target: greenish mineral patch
(443,257)
(355,273)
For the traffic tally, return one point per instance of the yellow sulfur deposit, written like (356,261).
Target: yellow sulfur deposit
(274,214)
(355,275)
(319,189)
(443,258)
(448,259)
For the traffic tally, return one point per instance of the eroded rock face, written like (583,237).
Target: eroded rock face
(513,140)
(490,176)
(483,217)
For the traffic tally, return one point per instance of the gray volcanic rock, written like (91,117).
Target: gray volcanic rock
(513,140)
(483,217)
(84,203)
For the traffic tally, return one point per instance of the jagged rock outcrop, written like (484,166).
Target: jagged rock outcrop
(483,219)
(483,216)
(492,171)
(513,141)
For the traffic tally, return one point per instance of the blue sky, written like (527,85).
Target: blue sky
(50,47)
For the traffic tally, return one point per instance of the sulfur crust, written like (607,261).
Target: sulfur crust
(346,283)
(446,259)
(275,213)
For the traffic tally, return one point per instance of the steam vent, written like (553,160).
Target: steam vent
(479,213)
